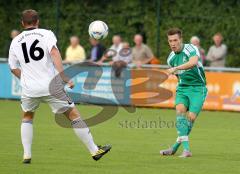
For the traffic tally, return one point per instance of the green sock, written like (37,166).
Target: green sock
(182,125)
(186,145)
(190,125)
(176,146)
(183,129)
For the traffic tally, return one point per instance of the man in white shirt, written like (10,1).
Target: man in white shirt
(35,59)
(121,60)
(114,50)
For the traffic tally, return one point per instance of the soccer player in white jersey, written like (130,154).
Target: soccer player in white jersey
(35,59)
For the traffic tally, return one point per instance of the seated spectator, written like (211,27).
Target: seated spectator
(141,53)
(217,53)
(196,41)
(14,33)
(75,52)
(114,50)
(121,60)
(97,50)
(125,54)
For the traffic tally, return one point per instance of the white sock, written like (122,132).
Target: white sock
(84,134)
(27,136)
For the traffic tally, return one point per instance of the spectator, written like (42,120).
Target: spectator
(97,50)
(141,53)
(114,50)
(75,52)
(196,41)
(125,54)
(217,53)
(13,34)
(121,60)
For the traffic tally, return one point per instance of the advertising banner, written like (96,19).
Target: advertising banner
(138,87)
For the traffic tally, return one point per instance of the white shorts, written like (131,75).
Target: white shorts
(30,104)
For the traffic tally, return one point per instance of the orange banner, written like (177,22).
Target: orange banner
(223,92)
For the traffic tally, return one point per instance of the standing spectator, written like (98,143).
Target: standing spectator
(114,50)
(196,41)
(97,50)
(217,53)
(141,53)
(13,34)
(75,52)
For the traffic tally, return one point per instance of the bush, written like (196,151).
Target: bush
(202,18)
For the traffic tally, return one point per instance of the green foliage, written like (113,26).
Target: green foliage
(198,17)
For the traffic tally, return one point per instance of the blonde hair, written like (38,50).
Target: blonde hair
(194,38)
(218,34)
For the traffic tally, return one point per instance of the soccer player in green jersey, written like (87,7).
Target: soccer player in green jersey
(191,91)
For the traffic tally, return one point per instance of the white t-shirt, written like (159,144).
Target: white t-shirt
(114,50)
(124,55)
(31,51)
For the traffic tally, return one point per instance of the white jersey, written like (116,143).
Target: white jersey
(31,51)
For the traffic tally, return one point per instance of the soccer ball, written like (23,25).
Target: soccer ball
(98,30)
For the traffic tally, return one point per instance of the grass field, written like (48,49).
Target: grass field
(214,142)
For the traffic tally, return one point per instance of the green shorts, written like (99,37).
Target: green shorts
(192,97)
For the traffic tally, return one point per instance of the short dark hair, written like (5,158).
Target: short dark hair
(30,17)
(173,31)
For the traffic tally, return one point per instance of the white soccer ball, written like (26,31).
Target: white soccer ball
(98,30)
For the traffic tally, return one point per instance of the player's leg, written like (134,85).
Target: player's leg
(180,111)
(191,119)
(27,135)
(182,104)
(80,128)
(197,96)
(29,105)
(82,131)
(182,125)
(189,124)
(182,129)
(67,107)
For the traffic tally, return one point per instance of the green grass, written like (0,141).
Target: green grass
(214,142)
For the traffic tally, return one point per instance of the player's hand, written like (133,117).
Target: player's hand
(70,84)
(171,70)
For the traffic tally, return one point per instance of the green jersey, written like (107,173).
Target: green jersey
(191,77)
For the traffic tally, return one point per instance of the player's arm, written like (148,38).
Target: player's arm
(193,61)
(13,63)
(57,61)
(16,72)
